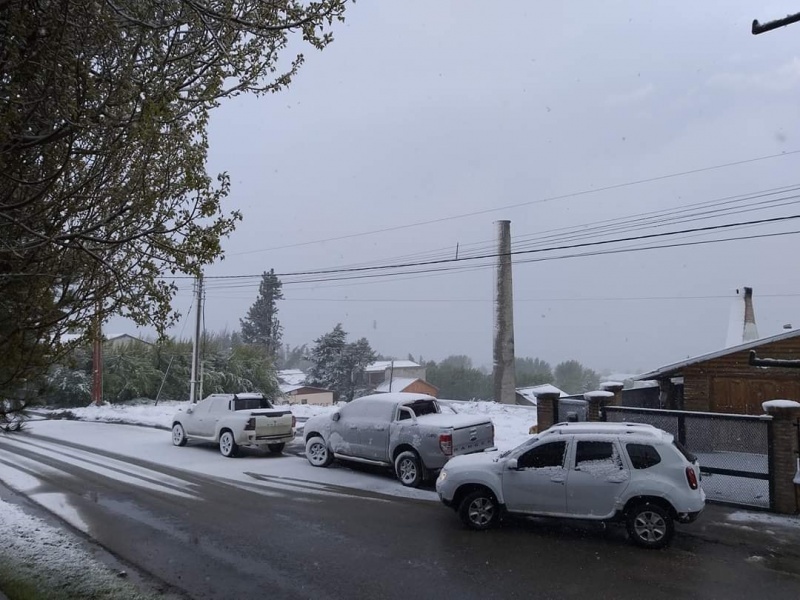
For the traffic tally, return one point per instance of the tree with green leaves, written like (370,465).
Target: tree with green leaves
(572,377)
(261,325)
(457,379)
(532,371)
(104,192)
(338,365)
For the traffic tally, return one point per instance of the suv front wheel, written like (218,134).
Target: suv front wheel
(650,525)
(479,510)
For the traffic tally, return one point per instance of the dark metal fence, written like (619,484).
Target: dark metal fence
(572,409)
(734,450)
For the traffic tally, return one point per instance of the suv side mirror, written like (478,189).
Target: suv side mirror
(336,416)
(511,464)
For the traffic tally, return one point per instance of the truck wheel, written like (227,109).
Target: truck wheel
(318,453)
(276,448)
(227,444)
(479,510)
(178,435)
(408,468)
(650,525)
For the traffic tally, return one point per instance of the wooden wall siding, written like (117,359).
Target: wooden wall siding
(729,384)
(421,387)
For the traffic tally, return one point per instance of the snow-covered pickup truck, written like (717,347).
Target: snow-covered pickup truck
(406,431)
(233,420)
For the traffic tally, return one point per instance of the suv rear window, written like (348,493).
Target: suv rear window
(643,456)
(682,449)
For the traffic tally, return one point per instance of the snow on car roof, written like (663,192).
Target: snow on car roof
(395,397)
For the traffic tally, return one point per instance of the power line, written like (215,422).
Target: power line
(562,299)
(516,252)
(526,203)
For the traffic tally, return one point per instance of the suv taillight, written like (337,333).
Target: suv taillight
(691,478)
(446,443)
(294,422)
(251,424)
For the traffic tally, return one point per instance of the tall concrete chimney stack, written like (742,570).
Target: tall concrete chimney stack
(504,378)
(742,323)
(750,331)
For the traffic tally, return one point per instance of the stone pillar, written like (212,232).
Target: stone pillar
(546,409)
(784,467)
(597,400)
(615,387)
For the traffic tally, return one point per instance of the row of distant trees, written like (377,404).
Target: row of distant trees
(247,360)
(458,379)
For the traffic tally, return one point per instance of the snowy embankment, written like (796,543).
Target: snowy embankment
(41,561)
(511,423)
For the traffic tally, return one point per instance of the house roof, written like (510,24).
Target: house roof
(530,392)
(399,384)
(675,368)
(286,388)
(292,376)
(382,365)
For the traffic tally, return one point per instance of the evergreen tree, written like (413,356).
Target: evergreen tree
(339,366)
(261,325)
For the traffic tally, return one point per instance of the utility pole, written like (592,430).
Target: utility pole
(97,360)
(194,384)
(504,377)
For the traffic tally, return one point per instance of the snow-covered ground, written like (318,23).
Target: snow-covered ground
(42,561)
(511,423)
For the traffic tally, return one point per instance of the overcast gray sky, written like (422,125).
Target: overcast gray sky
(425,110)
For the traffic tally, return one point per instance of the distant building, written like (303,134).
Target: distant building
(112,340)
(306,394)
(383,370)
(291,376)
(526,396)
(412,385)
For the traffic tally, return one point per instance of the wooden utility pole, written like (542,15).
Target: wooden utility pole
(194,384)
(97,360)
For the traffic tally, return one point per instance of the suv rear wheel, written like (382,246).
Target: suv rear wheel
(650,525)
(479,510)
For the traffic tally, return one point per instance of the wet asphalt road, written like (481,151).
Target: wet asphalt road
(226,541)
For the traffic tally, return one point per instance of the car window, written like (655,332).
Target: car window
(423,407)
(219,405)
(596,453)
(643,456)
(202,407)
(546,455)
(251,403)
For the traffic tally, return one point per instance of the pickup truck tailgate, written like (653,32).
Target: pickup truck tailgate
(272,423)
(473,438)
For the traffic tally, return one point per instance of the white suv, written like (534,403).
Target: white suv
(596,471)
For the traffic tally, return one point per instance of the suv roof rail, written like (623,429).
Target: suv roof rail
(604,427)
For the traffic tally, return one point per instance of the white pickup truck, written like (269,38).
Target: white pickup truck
(406,431)
(233,420)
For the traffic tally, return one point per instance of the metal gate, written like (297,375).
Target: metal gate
(734,451)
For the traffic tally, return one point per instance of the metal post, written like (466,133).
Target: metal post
(771,465)
(504,379)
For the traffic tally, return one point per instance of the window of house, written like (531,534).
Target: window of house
(546,455)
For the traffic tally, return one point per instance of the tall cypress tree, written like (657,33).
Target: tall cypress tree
(261,325)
